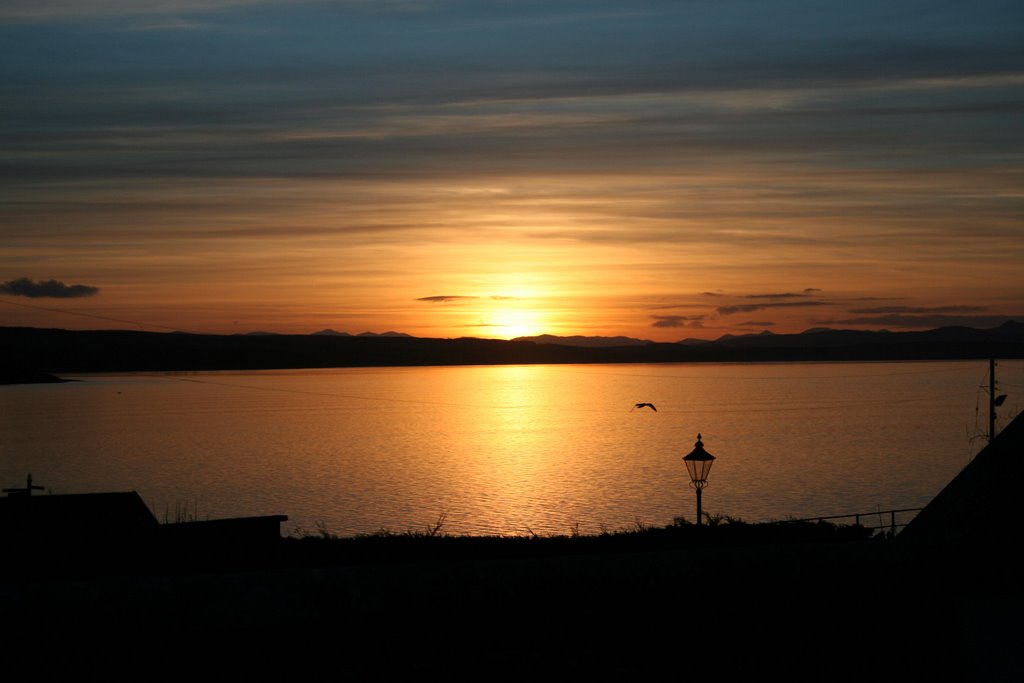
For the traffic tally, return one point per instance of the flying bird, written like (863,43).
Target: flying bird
(645,405)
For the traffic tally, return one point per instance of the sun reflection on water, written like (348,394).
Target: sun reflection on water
(502,449)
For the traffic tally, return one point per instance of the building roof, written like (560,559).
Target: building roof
(85,516)
(979,511)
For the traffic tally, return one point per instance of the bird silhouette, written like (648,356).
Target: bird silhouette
(645,405)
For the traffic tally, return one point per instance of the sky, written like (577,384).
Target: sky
(476,168)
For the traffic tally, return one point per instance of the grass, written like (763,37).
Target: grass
(182,513)
(321,546)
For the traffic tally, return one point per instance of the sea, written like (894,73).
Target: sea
(508,450)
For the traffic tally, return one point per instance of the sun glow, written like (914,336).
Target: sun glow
(508,324)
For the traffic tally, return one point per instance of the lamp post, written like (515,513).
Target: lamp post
(698,464)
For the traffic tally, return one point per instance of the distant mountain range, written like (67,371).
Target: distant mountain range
(335,333)
(327,333)
(588,342)
(816,337)
(32,350)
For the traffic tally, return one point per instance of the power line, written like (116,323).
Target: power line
(137,323)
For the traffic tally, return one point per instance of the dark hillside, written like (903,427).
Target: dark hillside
(57,351)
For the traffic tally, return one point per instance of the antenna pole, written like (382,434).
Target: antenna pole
(991,399)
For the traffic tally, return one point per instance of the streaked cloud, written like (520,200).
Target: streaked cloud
(62,10)
(925,321)
(785,295)
(749,308)
(450,298)
(289,160)
(445,298)
(920,309)
(694,321)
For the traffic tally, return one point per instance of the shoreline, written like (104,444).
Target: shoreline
(8,378)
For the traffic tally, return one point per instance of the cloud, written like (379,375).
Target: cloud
(51,10)
(926,321)
(51,289)
(453,298)
(785,295)
(920,309)
(445,298)
(808,290)
(666,307)
(720,145)
(757,323)
(677,321)
(749,308)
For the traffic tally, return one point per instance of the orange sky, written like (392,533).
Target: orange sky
(464,169)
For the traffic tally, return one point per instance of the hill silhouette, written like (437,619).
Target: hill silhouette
(56,351)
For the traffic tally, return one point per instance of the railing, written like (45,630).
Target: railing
(880,515)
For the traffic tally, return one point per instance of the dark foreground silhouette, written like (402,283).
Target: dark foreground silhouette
(727,598)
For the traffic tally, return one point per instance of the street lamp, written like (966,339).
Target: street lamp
(698,464)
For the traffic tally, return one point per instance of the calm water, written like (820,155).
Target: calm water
(506,449)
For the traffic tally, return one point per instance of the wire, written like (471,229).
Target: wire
(140,325)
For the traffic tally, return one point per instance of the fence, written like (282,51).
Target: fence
(897,519)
